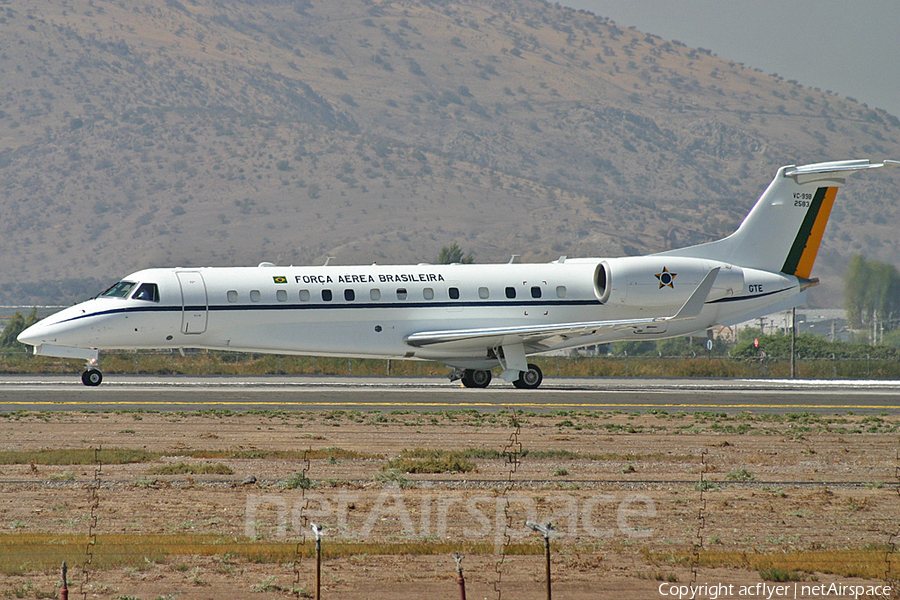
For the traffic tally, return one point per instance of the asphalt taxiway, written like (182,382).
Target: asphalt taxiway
(179,393)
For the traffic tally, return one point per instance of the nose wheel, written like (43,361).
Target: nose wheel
(92,377)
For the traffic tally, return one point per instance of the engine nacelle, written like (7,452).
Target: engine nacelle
(655,281)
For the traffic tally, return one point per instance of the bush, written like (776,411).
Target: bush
(191,469)
(297,481)
(437,461)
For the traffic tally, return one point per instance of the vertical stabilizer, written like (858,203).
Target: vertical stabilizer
(784,229)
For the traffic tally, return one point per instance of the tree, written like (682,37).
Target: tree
(454,254)
(16,325)
(871,292)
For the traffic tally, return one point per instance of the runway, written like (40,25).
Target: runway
(180,393)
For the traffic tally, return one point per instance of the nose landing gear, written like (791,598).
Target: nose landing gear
(92,377)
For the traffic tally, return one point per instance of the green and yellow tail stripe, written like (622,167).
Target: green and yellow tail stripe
(803,253)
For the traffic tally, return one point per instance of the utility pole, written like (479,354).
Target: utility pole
(793,341)
(545,531)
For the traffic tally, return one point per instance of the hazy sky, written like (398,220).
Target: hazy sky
(849,47)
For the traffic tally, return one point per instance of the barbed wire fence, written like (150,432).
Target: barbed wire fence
(303,522)
(94,515)
(697,547)
(890,555)
(513,453)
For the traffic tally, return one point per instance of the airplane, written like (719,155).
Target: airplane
(471,317)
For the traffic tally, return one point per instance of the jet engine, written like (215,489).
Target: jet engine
(655,281)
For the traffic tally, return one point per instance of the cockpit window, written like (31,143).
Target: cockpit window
(147,291)
(120,290)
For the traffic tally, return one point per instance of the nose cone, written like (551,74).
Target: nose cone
(61,328)
(31,335)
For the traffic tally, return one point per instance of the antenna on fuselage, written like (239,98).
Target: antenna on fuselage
(513,258)
(327,260)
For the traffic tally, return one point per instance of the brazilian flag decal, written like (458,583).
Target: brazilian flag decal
(279,279)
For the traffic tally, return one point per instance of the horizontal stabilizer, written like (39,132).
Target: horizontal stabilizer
(691,309)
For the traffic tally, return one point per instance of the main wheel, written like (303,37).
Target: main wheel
(530,379)
(476,378)
(92,377)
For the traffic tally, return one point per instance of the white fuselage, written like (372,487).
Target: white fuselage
(369,311)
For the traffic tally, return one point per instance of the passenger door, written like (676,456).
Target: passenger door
(193,301)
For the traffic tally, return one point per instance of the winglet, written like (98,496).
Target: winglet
(691,309)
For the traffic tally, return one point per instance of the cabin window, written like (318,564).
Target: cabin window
(304,295)
(120,290)
(326,296)
(535,291)
(148,292)
(484,293)
(281,295)
(374,294)
(561,291)
(401,294)
(454,293)
(255,296)
(428,293)
(349,295)
(232,296)
(510,292)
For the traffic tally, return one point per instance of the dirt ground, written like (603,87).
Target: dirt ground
(631,496)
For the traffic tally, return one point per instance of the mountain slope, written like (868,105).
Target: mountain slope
(136,135)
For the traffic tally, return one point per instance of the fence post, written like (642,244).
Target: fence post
(318,531)
(460,580)
(544,530)
(64,590)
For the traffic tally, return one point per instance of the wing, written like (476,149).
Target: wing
(552,334)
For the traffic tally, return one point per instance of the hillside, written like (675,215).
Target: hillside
(137,134)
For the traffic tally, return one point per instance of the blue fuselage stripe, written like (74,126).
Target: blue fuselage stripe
(378,305)
(337,305)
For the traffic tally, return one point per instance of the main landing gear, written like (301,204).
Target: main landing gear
(530,379)
(476,378)
(481,378)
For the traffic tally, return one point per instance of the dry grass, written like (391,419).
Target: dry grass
(866,563)
(76,456)
(31,552)
(121,456)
